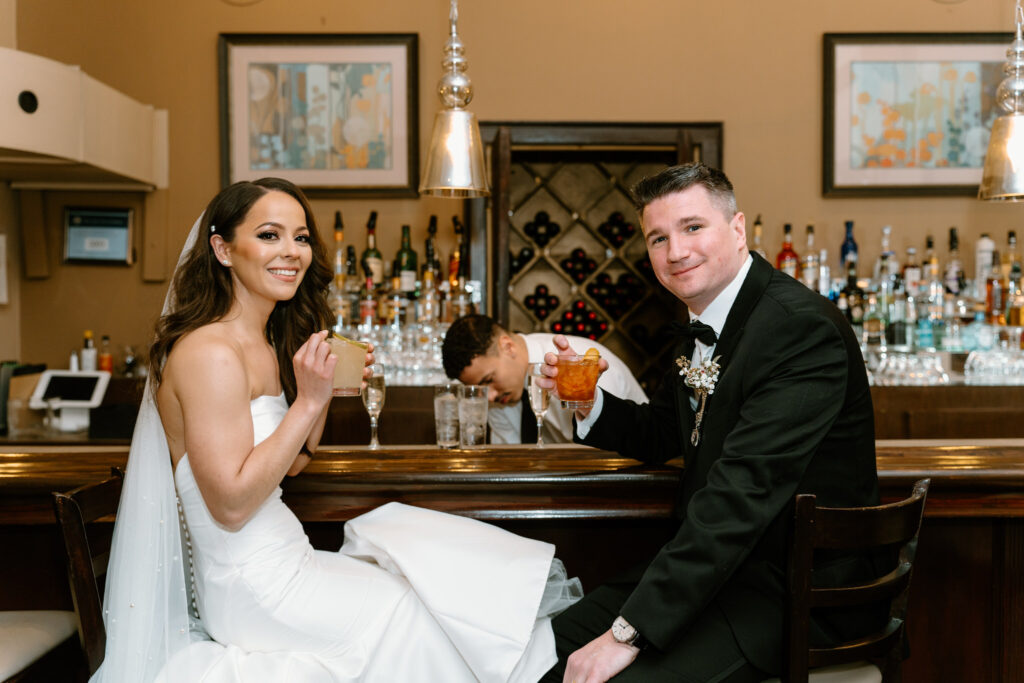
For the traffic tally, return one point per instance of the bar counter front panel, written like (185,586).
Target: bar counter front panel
(605,513)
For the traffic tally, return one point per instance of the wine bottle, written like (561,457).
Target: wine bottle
(912,273)
(406,264)
(430,260)
(371,259)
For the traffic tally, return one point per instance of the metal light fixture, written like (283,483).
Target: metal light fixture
(1003,177)
(455,159)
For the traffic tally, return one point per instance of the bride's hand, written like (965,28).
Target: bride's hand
(314,368)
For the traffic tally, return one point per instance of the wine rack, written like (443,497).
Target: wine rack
(567,254)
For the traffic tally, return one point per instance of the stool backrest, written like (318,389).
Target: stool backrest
(895,525)
(87,562)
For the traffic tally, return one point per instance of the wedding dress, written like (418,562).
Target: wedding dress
(413,595)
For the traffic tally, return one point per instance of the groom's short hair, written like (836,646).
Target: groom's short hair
(682,177)
(468,337)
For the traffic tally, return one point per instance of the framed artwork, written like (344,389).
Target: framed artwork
(908,114)
(337,114)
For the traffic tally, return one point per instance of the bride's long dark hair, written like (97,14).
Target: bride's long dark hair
(203,289)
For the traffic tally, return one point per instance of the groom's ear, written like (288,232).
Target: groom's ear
(220,249)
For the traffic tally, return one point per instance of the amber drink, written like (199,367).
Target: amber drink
(576,380)
(348,373)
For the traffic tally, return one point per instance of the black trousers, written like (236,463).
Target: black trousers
(708,653)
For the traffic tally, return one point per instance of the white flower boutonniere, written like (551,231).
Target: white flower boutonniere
(702,378)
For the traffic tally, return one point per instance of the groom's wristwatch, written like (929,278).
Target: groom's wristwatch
(624,632)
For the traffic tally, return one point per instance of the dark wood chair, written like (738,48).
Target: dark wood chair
(87,557)
(878,656)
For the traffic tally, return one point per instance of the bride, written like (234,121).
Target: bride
(212,577)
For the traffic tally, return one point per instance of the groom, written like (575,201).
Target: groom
(768,398)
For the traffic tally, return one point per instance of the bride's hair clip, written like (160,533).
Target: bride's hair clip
(213,228)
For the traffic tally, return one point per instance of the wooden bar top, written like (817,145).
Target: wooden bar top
(976,478)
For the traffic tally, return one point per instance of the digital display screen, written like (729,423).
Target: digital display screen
(69,388)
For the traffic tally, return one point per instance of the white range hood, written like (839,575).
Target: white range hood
(62,129)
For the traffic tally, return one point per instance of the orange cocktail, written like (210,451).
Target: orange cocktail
(576,380)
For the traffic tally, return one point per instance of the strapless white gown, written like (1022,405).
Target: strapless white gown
(413,595)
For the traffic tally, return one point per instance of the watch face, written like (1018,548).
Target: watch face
(622,631)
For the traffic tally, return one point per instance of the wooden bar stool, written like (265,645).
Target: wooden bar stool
(876,658)
(87,562)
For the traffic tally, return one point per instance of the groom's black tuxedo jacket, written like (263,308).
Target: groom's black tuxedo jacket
(791,413)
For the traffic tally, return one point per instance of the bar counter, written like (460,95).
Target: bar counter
(604,513)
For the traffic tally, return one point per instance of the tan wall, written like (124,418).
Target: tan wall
(755,66)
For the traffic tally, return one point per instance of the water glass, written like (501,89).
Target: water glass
(472,415)
(446,414)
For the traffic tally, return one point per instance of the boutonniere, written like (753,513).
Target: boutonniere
(702,378)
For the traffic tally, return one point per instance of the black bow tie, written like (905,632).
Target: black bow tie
(695,330)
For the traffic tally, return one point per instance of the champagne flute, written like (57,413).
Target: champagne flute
(539,398)
(373,399)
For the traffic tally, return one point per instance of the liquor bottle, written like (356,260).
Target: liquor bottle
(396,312)
(339,252)
(954,276)
(809,266)
(758,234)
(848,250)
(824,275)
(406,267)
(854,295)
(88,352)
(873,332)
(885,287)
(368,299)
(428,307)
(430,260)
(995,294)
(984,262)
(787,260)
(887,253)
(454,261)
(911,273)
(1015,302)
(460,297)
(371,259)
(105,358)
(932,291)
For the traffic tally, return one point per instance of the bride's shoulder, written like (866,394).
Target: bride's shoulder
(206,348)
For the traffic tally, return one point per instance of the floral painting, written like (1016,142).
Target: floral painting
(909,114)
(336,114)
(927,115)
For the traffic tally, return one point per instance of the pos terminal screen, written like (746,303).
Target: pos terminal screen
(70,388)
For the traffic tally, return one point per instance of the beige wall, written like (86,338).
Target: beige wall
(754,66)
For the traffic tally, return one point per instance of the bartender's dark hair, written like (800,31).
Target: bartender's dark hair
(684,176)
(202,289)
(468,337)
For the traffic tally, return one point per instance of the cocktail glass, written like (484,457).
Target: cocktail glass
(576,380)
(348,373)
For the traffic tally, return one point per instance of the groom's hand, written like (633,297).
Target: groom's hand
(550,368)
(599,660)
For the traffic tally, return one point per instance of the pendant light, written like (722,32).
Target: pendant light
(455,159)
(1003,176)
